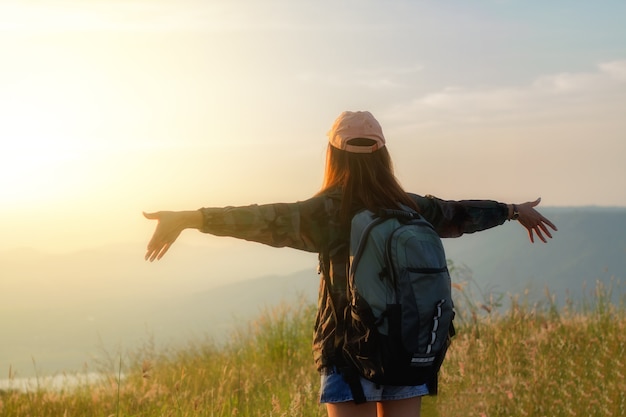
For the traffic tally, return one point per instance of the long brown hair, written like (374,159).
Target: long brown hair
(366,180)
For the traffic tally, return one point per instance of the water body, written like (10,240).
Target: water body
(52,383)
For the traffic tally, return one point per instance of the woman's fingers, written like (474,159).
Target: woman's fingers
(539,235)
(533,204)
(157,246)
(543,227)
(168,229)
(152,216)
(549,223)
(157,253)
(534,222)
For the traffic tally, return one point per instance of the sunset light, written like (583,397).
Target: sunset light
(120,107)
(114,108)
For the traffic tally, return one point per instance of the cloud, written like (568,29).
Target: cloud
(615,69)
(554,97)
(374,77)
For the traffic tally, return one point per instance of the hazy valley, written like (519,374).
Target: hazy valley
(61,311)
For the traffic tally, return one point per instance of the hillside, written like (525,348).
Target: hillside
(589,246)
(522,363)
(62,311)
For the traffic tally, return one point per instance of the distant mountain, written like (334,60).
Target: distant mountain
(58,312)
(216,313)
(590,245)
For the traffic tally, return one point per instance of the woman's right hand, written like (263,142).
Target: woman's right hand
(170,225)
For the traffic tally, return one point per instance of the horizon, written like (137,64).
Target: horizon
(111,109)
(212,242)
(75,304)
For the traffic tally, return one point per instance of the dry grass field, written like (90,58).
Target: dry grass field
(526,361)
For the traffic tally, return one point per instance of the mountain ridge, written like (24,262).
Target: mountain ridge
(63,310)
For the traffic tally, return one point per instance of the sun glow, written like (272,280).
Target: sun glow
(40,144)
(111,108)
(62,111)
(36,168)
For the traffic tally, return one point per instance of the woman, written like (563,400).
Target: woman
(358,175)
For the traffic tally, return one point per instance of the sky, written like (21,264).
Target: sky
(111,108)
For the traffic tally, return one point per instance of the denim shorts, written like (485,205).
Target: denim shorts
(334,389)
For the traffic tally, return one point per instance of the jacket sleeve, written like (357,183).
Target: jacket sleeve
(455,218)
(296,225)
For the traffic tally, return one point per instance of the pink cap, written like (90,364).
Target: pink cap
(352,125)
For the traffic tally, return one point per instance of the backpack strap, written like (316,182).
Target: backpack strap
(353,379)
(361,245)
(348,373)
(406,214)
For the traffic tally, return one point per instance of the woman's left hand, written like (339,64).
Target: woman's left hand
(534,221)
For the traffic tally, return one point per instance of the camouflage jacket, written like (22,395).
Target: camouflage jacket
(313,225)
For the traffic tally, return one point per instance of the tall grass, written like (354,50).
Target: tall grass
(264,369)
(540,361)
(529,360)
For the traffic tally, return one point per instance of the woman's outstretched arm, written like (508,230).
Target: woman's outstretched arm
(298,225)
(455,218)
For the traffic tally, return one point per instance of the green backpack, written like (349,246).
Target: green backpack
(398,322)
